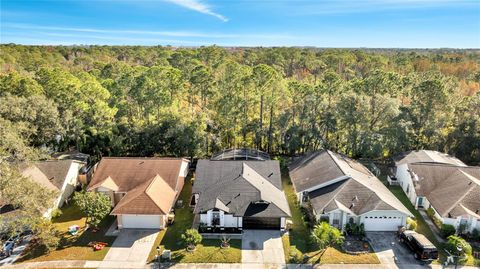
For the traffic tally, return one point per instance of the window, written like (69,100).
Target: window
(351,220)
(215,218)
(408,189)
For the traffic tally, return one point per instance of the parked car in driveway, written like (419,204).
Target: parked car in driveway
(422,248)
(8,247)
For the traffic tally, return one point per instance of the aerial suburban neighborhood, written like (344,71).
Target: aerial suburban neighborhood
(239,134)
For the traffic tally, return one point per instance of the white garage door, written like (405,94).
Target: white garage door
(141,221)
(382,223)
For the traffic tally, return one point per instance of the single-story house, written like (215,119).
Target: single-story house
(341,190)
(239,194)
(57,175)
(436,180)
(143,191)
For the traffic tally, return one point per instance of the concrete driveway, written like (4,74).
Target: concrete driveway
(387,246)
(262,247)
(132,246)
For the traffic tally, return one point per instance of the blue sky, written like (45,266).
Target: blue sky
(321,23)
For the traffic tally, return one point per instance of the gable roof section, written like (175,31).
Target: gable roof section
(359,191)
(452,190)
(427,156)
(239,187)
(154,197)
(50,174)
(128,173)
(304,172)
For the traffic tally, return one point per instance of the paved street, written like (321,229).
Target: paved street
(263,247)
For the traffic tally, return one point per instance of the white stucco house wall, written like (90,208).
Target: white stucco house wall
(60,176)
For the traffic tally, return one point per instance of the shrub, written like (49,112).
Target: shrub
(325,235)
(354,229)
(462,228)
(431,213)
(454,241)
(411,224)
(437,222)
(56,213)
(191,237)
(295,255)
(447,230)
(476,235)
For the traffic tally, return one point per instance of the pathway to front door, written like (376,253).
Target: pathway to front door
(262,247)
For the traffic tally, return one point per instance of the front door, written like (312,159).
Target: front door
(420,202)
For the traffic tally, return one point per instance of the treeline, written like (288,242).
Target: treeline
(145,101)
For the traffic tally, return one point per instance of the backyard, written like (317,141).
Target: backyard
(299,235)
(208,251)
(72,247)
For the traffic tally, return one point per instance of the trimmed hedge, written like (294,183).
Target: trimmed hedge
(447,230)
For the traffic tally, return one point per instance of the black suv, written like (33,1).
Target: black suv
(422,248)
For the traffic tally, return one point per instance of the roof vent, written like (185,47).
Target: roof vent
(271,174)
(352,205)
(355,198)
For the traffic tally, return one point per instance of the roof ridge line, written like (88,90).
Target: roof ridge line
(335,160)
(341,188)
(461,198)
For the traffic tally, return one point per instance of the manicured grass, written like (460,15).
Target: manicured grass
(422,226)
(208,251)
(299,237)
(72,247)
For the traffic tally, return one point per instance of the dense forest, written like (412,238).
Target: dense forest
(166,101)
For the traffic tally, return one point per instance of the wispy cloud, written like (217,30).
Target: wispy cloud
(124,33)
(198,6)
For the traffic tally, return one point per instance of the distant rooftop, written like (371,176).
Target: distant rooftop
(241,154)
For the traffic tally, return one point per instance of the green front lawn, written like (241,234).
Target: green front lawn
(72,247)
(299,236)
(208,251)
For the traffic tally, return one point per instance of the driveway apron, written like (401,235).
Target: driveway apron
(262,247)
(131,246)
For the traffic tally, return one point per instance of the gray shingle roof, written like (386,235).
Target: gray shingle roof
(426,156)
(237,186)
(360,191)
(452,190)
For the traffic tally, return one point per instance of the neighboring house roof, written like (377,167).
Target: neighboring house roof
(241,154)
(452,190)
(51,174)
(128,173)
(357,189)
(241,188)
(154,197)
(427,156)
(150,183)
(72,155)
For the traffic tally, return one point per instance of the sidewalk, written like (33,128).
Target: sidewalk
(123,265)
(432,226)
